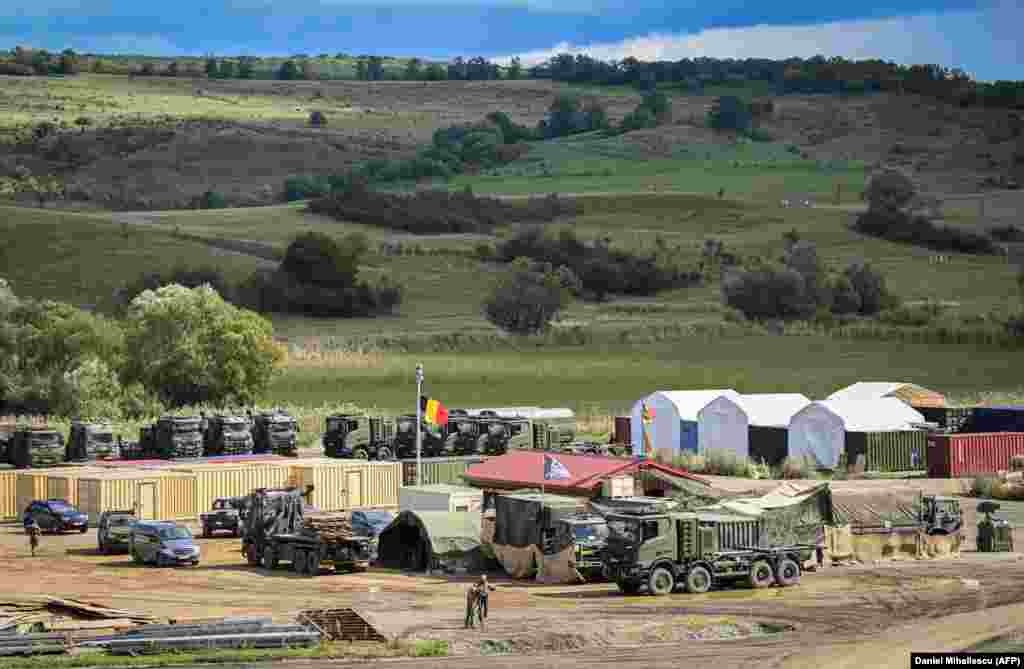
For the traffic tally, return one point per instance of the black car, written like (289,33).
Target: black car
(56,515)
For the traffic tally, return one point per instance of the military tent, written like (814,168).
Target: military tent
(724,424)
(529,537)
(818,431)
(907,392)
(424,540)
(674,427)
(793,513)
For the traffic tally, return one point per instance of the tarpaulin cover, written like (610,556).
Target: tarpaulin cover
(874,509)
(521,520)
(793,513)
(415,540)
(671,408)
(818,431)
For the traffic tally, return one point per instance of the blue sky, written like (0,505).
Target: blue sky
(978,37)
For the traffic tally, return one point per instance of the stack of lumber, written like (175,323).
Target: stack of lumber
(329,526)
(54,612)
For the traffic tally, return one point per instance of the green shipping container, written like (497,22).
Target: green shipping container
(902,451)
(439,470)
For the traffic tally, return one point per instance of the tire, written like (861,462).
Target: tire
(195,563)
(236,533)
(661,581)
(269,560)
(299,560)
(761,574)
(84,530)
(206,532)
(698,580)
(384,453)
(360,454)
(136,558)
(628,587)
(787,573)
(312,564)
(102,549)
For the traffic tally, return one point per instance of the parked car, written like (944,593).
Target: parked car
(162,543)
(224,516)
(56,515)
(113,531)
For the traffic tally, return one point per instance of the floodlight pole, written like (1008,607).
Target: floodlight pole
(419,429)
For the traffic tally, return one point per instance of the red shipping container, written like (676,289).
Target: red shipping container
(962,455)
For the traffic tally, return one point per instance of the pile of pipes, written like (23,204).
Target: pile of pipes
(226,633)
(12,643)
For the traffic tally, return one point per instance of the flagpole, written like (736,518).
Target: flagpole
(543,473)
(419,426)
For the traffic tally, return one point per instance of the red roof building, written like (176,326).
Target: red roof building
(525,469)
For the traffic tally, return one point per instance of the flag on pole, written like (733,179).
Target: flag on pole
(648,418)
(555,470)
(648,413)
(434,411)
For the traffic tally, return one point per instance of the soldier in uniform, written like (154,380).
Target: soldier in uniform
(32,528)
(476,597)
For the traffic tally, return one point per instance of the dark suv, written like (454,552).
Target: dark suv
(113,530)
(56,515)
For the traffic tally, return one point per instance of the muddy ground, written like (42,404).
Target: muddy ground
(868,612)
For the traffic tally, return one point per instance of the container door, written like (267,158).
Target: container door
(354,489)
(147,501)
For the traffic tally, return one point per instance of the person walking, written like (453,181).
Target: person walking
(476,601)
(483,588)
(819,548)
(32,529)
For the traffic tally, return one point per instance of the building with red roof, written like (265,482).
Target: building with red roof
(517,470)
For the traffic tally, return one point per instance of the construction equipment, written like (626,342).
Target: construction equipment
(277,529)
(940,515)
(404,443)
(995,535)
(33,447)
(661,551)
(275,432)
(360,437)
(227,435)
(90,441)
(172,437)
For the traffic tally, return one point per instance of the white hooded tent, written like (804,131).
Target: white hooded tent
(724,424)
(819,429)
(911,393)
(674,427)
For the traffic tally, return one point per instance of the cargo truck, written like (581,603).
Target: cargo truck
(275,432)
(665,551)
(360,437)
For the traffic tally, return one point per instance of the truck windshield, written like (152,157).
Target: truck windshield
(173,533)
(121,521)
(623,531)
(237,427)
(586,533)
(283,427)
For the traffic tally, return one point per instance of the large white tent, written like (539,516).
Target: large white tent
(724,424)
(819,429)
(674,427)
(908,392)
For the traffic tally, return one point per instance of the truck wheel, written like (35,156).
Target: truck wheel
(269,559)
(661,582)
(252,555)
(384,453)
(360,454)
(698,580)
(761,575)
(788,573)
(236,532)
(313,564)
(628,587)
(299,560)
(206,532)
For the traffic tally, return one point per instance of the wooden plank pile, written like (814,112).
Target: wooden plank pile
(47,611)
(329,526)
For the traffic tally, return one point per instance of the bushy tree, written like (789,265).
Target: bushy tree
(246,68)
(69,62)
(526,299)
(226,70)
(212,70)
(869,285)
(515,69)
(189,277)
(189,346)
(413,69)
(889,191)
(288,70)
(730,113)
(772,291)
(318,259)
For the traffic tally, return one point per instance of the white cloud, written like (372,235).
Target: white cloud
(982,42)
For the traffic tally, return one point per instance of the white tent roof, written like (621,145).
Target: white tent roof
(772,410)
(877,415)
(689,402)
(867,390)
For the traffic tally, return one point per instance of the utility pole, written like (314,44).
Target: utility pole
(419,429)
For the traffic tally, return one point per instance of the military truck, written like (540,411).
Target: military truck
(498,434)
(433,445)
(590,535)
(275,432)
(940,515)
(227,435)
(463,433)
(90,441)
(224,516)
(661,551)
(278,529)
(995,534)
(36,447)
(172,437)
(361,437)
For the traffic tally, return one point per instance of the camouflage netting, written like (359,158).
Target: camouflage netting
(792,513)
(842,544)
(874,509)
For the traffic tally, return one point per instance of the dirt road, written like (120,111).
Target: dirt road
(869,615)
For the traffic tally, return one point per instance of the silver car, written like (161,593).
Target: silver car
(163,544)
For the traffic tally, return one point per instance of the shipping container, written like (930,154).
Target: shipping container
(947,418)
(9,495)
(439,470)
(996,419)
(64,484)
(964,455)
(152,495)
(440,497)
(623,434)
(768,444)
(236,480)
(341,485)
(898,451)
(618,486)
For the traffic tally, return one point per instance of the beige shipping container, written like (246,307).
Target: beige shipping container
(152,495)
(178,496)
(350,484)
(65,485)
(217,480)
(9,495)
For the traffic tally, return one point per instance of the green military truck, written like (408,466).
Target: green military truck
(36,447)
(940,515)
(227,435)
(172,437)
(90,441)
(663,551)
(275,432)
(360,437)
(590,536)
(540,429)
(433,443)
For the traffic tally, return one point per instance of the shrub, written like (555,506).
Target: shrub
(759,135)
(302,188)
(190,277)
(16,69)
(900,226)
(638,119)
(869,285)
(211,199)
(315,258)
(773,291)
(889,191)
(525,301)
(730,113)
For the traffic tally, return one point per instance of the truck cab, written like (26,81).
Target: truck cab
(228,435)
(941,515)
(590,536)
(275,432)
(224,516)
(359,437)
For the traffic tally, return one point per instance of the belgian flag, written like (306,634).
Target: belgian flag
(434,411)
